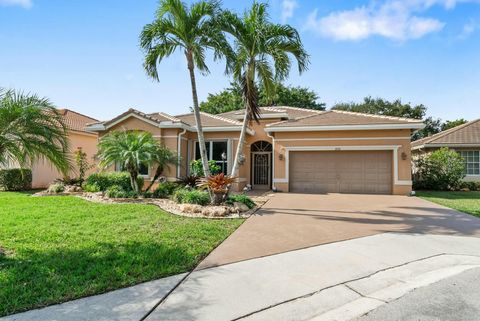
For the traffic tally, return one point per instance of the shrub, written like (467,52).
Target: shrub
(218,184)
(15,179)
(165,190)
(56,188)
(116,191)
(241,198)
(442,169)
(196,167)
(107,179)
(191,196)
(188,181)
(91,188)
(472,186)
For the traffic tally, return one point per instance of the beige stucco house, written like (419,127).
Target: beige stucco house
(464,139)
(291,149)
(43,172)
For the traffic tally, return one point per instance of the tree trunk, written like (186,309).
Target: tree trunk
(241,143)
(196,112)
(133,181)
(158,173)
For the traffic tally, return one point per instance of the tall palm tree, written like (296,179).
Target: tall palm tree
(31,129)
(130,150)
(262,53)
(190,29)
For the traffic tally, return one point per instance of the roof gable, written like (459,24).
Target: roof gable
(468,133)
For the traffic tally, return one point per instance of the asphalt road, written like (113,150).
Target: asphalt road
(453,299)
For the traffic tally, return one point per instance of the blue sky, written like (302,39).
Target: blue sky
(84,55)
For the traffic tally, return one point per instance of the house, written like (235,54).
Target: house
(291,149)
(464,139)
(43,172)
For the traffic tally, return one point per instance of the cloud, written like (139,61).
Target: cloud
(393,19)
(288,7)
(468,28)
(27,4)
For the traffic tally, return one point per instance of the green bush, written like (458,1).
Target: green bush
(191,196)
(196,167)
(56,188)
(116,191)
(165,190)
(241,199)
(15,179)
(472,186)
(442,170)
(91,188)
(105,180)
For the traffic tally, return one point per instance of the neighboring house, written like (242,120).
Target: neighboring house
(464,139)
(43,172)
(292,149)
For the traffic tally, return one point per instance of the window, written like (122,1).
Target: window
(472,161)
(215,149)
(143,169)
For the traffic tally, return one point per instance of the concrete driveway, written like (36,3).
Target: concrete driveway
(294,221)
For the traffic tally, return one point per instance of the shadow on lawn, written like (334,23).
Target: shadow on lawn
(32,279)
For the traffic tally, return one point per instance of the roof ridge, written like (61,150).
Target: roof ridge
(299,118)
(304,109)
(411,120)
(441,134)
(228,120)
(76,112)
(172,118)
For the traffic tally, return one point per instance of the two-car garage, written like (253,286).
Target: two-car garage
(365,172)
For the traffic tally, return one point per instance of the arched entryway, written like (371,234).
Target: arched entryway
(261,158)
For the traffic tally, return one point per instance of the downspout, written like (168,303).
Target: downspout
(179,150)
(273,159)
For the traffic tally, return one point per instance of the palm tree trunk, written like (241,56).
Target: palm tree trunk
(241,143)
(158,172)
(196,112)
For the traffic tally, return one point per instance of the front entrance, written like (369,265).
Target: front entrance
(261,165)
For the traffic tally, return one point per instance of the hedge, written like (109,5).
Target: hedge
(15,179)
(108,179)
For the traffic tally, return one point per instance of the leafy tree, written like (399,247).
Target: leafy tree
(129,149)
(191,30)
(82,164)
(442,169)
(432,126)
(262,50)
(31,129)
(231,99)
(453,123)
(379,106)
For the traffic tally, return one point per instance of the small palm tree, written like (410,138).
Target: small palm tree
(263,51)
(162,158)
(190,29)
(31,129)
(128,149)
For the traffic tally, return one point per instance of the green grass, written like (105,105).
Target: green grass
(467,202)
(61,248)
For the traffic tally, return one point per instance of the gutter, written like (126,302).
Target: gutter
(179,148)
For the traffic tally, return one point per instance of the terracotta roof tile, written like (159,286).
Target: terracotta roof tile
(208,120)
(293,112)
(74,120)
(468,133)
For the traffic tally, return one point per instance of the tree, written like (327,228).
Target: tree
(379,106)
(162,158)
(31,129)
(261,49)
(130,150)
(453,123)
(192,30)
(432,126)
(231,98)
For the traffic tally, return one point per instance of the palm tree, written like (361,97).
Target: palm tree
(31,129)
(128,149)
(192,30)
(262,50)
(162,158)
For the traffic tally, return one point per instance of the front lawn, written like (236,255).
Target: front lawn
(61,248)
(467,202)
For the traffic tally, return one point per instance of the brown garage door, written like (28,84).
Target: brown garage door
(359,172)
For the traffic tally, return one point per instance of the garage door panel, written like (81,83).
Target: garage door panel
(359,172)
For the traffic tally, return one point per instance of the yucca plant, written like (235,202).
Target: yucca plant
(218,185)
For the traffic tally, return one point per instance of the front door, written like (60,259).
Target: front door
(261,174)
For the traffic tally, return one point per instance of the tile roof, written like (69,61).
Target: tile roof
(208,120)
(75,121)
(293,112)
(468,133)
(337,117)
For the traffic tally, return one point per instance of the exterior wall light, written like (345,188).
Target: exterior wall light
(280,157)
(404,156)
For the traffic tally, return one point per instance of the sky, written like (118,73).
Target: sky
(84,54)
